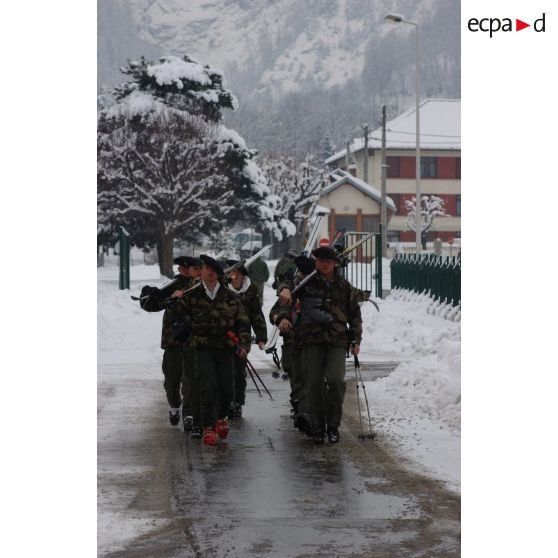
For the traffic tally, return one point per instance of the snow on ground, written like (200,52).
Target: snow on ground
(415,410)
(129,383)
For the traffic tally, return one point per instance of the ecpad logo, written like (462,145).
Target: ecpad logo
(494,24)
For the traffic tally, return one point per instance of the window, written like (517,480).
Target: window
(370,223)
(458,205)
(393,169)
(428,167)
(393,236)
(347,222)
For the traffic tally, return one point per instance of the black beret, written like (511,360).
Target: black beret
(242,269)
(325,253)
(305,264)
(187,261)
(213,264)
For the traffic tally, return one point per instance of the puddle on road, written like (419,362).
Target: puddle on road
(247,479)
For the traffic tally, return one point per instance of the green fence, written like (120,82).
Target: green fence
(427,273)
(124,249)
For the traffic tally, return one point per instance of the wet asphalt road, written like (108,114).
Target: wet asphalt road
(269,491)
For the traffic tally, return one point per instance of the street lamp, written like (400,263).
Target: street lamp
(398,18)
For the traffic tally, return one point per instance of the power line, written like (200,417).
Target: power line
(423,134)
(407,143)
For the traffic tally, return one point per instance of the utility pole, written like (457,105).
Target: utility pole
(365,167)
(383,210)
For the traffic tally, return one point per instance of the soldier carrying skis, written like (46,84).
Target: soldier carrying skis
(177,357)
(241,285)
(215,311)
(328,305)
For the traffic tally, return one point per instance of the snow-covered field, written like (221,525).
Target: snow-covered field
(415,410)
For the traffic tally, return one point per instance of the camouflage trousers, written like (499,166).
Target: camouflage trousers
(325,384)
(292,362)
(239,380)
(214,379)
(178,369)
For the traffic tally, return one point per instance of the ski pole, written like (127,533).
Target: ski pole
(236,345)
(361,435)
(370,434)
(251,368)
(253,379)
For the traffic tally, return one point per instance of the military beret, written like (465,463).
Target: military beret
(242,269)
(187,261)
(325,253)
(212,263)
(305,264)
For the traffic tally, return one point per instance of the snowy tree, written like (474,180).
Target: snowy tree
(167,167)
(431,207)
(326,148)
(295,188)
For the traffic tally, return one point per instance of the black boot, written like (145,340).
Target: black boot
(187,421)
(174,417)
(302,423)
(333,434)
(318,437)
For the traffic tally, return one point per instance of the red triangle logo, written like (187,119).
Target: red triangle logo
(519,25)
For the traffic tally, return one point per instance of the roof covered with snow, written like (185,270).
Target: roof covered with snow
(440,128)
(341,177)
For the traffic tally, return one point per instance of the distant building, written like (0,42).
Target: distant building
(440,130)
(353,205)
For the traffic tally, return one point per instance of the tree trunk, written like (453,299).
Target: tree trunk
(164,250)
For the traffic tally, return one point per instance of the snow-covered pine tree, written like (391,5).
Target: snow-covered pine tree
(326,148)
(431,207)
(168,168)
(295,188)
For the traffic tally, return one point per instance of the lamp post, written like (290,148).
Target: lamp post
(397,18)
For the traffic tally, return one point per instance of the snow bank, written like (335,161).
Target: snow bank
(417,408)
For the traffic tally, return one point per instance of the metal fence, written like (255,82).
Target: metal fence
(445,249)
(142,265)
(364,270)
(434,275)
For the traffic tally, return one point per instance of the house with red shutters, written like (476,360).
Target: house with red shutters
(440,146)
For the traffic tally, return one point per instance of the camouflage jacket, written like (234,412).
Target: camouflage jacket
(156,303)
(277,313)
(336,300)
(361,296)
(284,270)
(259,271)
(212,319)
(253,307)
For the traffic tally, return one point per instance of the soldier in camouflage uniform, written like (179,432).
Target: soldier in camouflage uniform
(214,311)
(241,285)
(259,274)
(292,351)
(329,304)
(177,358)
(285,269)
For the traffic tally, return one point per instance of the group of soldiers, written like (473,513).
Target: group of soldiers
(207,335)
